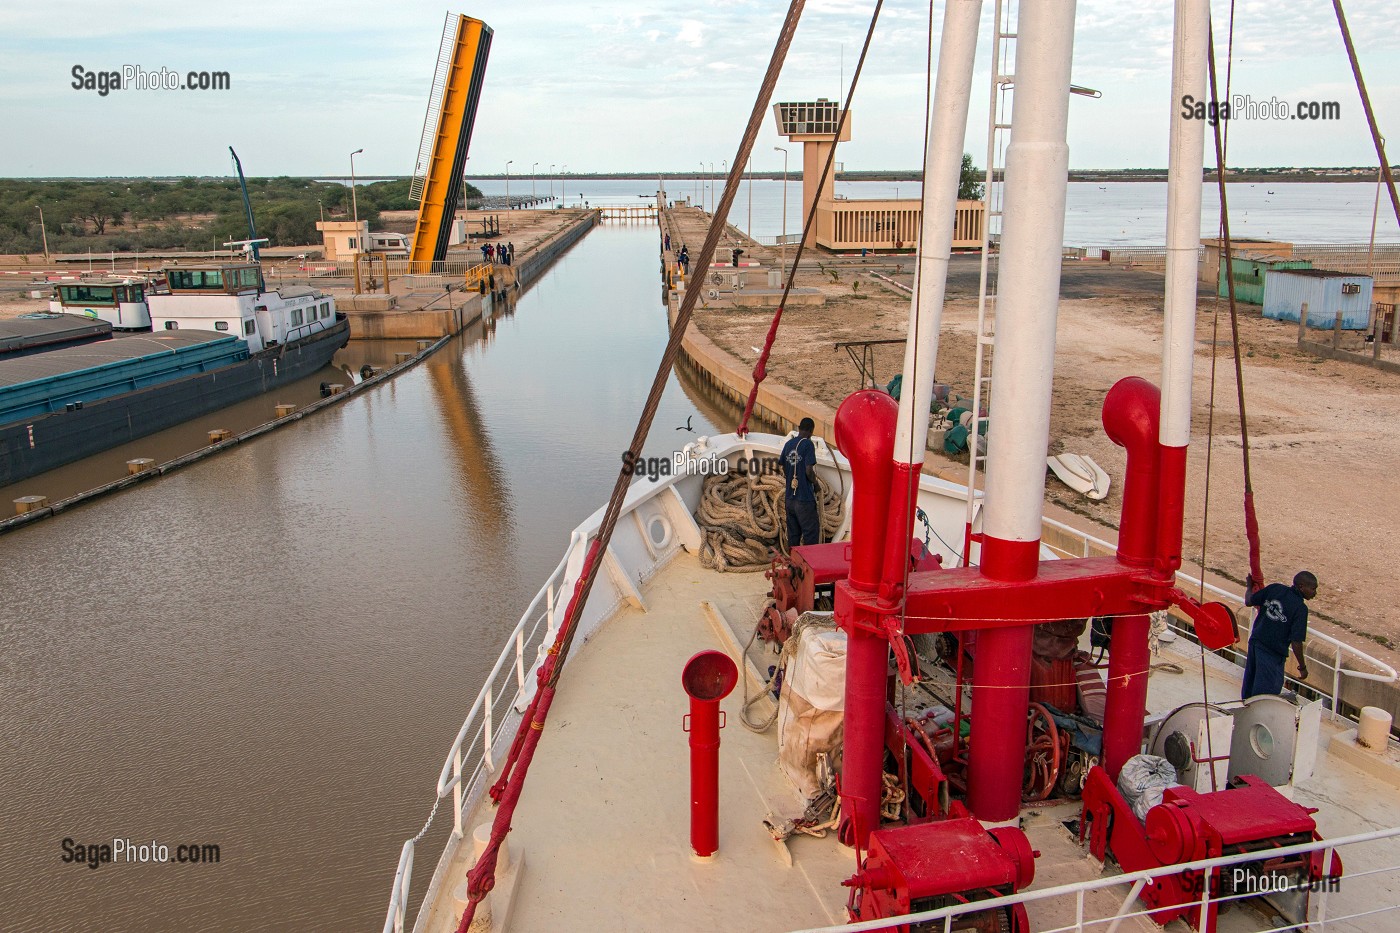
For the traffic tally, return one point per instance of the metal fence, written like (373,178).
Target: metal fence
(470,271)
(497,709)
(1071,542)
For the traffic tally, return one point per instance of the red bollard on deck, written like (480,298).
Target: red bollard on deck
(708,677)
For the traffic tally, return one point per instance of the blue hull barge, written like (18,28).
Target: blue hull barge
(67,404)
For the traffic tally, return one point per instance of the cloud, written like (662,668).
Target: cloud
(583,83)
(692,33)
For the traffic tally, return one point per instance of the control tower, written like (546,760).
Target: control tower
(814,124)
(884,224)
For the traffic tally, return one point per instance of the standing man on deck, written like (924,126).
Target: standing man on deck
(1281,624)
(799,459)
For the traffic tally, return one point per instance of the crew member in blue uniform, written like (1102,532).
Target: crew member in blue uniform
(799,459)
(1280,624)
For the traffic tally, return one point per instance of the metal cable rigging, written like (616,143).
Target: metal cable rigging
(760,368)
(506,791)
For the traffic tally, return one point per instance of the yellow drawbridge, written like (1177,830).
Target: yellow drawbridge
(447,132)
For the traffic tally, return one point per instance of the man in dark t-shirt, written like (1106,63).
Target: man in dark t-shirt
(1281,624)
(799,460)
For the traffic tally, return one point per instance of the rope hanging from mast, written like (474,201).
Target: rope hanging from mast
(1376,136)
(1251,520)
(482,877)
(760,368)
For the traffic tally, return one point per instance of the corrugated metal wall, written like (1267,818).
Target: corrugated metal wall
(1250,274)
(1285,295)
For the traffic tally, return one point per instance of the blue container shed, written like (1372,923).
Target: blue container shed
(1324,292)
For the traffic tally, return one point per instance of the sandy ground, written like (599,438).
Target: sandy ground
(1324,436)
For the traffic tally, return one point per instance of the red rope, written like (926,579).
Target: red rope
(1251,531)
(481,878)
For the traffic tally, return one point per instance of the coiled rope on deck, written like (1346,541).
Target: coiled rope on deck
(744,519)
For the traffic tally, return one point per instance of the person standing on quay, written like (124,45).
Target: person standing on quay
(1281,624)
(799,460)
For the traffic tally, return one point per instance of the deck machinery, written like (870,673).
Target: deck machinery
(993,601)
(447,133)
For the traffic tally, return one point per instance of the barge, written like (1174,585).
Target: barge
(219,337)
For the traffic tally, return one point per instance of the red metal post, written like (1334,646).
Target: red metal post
(708,678)
(865,427)
(1001,677)
(1128,658)
(1131,418)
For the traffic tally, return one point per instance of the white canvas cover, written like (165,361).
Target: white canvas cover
(811,710)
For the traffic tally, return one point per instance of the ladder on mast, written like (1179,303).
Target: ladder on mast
(998,134)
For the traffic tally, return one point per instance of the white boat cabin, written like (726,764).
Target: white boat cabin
(119,302)
(230,297)
(388,244)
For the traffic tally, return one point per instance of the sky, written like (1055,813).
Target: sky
(598,87)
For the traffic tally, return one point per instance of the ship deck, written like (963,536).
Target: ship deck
(22,335)
(603,822)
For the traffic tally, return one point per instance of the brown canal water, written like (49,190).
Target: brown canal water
(271,651)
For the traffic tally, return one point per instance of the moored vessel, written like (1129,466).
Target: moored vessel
(220,337)
(963,777)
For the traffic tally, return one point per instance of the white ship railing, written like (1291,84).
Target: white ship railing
(470,761)
(1137,880)
(1342,653)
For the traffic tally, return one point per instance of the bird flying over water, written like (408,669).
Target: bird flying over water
(686,426)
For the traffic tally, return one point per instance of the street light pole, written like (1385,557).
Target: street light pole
(355,201)
(563,170)
(508,164)
(784,240)
(712,187)
(44,232)
(724,171)
(702,186)
(750,227)
(532,180)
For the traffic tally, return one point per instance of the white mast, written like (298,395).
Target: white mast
(942,171)
(1037,168)
(1184,179)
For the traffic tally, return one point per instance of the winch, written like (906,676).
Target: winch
(805,580)
(931,865)
(1248,815)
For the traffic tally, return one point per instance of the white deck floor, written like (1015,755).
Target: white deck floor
(604,820)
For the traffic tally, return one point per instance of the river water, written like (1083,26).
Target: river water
(1111,214)
(271,651)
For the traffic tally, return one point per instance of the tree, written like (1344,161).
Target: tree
(96,206)
(970,182)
